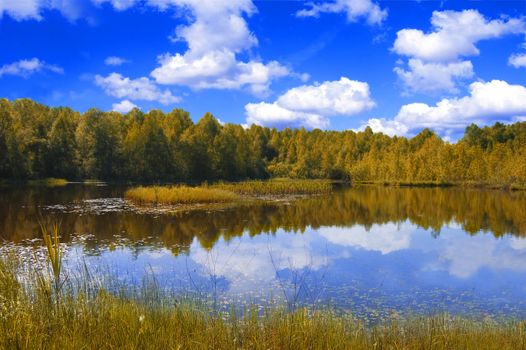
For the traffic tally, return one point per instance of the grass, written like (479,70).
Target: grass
(86,315)
(224,192)
(279,187)
(50,182)
(474,184)
(179,195)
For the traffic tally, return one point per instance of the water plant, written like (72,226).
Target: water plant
(225,192)
(179,195)
(281,187)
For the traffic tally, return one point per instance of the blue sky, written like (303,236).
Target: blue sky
(397,66)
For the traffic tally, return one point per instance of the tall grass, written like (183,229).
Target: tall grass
(54,252)
(49,182)
(270,188)
(224,192)
(179,195)
(88,316)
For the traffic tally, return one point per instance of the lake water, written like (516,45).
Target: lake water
(376,251)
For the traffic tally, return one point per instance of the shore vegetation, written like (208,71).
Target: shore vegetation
(84,312)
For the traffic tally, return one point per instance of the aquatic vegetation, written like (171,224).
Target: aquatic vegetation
(179,195)
(224,192)
(50,182)
(54,252)
(97,316)
(280,187)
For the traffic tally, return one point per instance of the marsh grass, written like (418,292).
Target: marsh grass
(54,253)
(49,182)
(278,187)
(465,184)
(225,192)
(179,195)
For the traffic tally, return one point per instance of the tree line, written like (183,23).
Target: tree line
(37,141)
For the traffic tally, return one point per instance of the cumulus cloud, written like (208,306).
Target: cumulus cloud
(218,70)
(135,89)
(354,9)
(273,115)
(487,102)
(124,106)
(27,67)
(216,34)
(119,5)
(115,61)
(435,63)
(518,60)
(386,126)
(21,10)
(454,34)
(340,97)
(433,77)
(311,105)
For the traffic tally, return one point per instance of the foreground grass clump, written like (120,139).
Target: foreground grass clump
(269,188)
(82,314)
(179,195)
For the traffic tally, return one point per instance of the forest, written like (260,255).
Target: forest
(37,141)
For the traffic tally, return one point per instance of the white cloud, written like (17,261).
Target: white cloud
(435,63)
(311,105)
(354,9)
(518,60)
(218,70)
(135,89)
(433,77)
(124,106)
(21,10)
(119,5)
(215,36)
(340,97)
(454,34)
(115,61)
(272,115)
(388,127)
(488,102)
(26,68)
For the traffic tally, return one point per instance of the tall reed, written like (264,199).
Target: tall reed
(54,253)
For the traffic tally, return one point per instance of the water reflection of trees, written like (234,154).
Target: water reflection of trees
(497,212)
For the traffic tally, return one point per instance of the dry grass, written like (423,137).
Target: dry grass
(281,187)
(224,192)
(179,195)
(50,182)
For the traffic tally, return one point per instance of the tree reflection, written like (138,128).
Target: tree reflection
(497,212)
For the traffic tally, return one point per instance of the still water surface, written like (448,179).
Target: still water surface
(376,251)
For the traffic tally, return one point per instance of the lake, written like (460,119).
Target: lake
(376,251)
